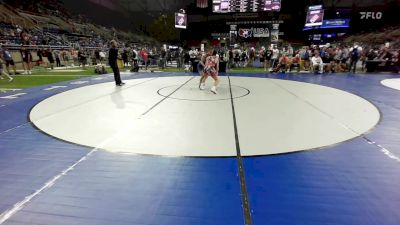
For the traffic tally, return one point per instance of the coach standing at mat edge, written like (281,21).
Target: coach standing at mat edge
(112,60)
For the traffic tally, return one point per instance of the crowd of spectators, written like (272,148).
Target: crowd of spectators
(328,58)
(72,41)
(84,44)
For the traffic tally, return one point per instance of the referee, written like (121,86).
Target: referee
(112,60)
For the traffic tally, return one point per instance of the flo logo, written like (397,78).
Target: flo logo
(371,15)
(245,32)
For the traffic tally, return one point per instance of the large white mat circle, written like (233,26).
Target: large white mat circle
(277,116)
(392,83)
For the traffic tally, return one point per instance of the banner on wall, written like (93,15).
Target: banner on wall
(180,20)
(233,27)
(256,32)
(274,35)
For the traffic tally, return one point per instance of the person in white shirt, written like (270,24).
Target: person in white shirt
(102,55)
(317,63)
(275,56)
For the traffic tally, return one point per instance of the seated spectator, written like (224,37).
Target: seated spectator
(283,64)
(295,63)
(100,69)
(317,64)
(386,56)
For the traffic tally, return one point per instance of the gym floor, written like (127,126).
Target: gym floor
(280,149)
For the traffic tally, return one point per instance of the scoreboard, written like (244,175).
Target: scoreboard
(315,16)
(234,6)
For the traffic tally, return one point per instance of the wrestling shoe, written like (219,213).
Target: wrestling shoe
(214,90)
(202,86)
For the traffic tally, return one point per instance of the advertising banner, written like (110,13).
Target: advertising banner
(180,20)
(274,35)
(256,32)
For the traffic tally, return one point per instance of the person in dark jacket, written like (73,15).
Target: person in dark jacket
(112,60)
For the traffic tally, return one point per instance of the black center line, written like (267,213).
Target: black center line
(242,176)
(165,97)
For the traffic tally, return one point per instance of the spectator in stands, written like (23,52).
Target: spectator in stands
(317,63)
(40,54)
(27,59)
(82,57)
(230,59)
(112,60)
(193,55)
(236,58)
(261,54)
(243,59)
(252,55)
(386,56)
(25,37)
(330,58)
(355,52)
(372,54)
(186,60)
(125,57)
(306,58)
(345,58)
(295,63)
(102,56)
(135,55)
(50,58)
(57,55)
(181,58)
(397,62)
(97,56)
(338,59)
(169,57)
(267,58)
(275,56)
(74,54)
(283,64)
(64,56)
(145,57)
(163,55)
(290,51)
(7,57)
